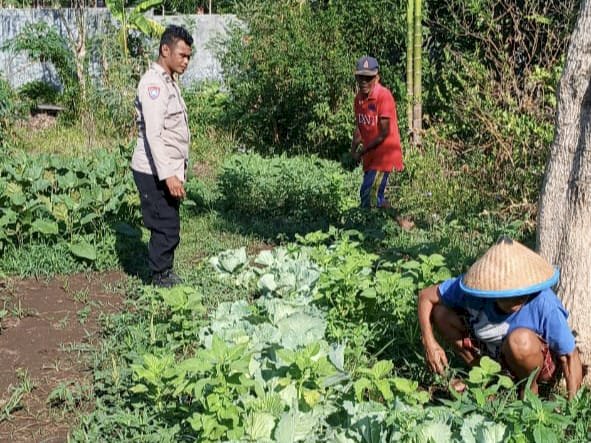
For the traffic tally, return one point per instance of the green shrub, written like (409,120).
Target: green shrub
(39,91)
(435,186)
(112,94)
(206,102)
(492,104)
(43,43)
(302,188)
(10,109)
(290,88)
(377,28)
(112,102)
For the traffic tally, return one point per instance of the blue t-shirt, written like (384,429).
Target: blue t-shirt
(543,314)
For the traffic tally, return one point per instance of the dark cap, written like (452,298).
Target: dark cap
(367,66)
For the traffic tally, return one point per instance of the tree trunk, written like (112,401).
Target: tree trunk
(564,217)
(80,47)
(77,42)
(417,124)
(410,17)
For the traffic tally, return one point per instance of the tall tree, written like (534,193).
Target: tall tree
(564,217)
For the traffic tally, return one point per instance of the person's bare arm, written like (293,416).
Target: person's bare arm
(434,353)
(355,143)
(384,127)
(573,372)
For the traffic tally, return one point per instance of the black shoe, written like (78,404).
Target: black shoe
(166,279)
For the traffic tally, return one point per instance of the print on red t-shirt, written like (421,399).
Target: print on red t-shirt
(368,110)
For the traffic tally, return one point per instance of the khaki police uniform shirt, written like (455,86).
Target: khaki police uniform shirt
(163,130)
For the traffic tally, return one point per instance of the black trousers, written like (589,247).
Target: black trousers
(160,212)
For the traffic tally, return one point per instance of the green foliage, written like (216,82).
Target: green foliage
(290,89)
(113,92)
(299,188)
(229,261)
(489,103)
(176,316)
(192,6)
(529,419)
(267,371)
(39,92)
(207,104)
(16,394)
(371,302)
(435,186)
(49,199)
(34,3)
(377,383)
(485,381)
(131,17)
(42,43)
(10,109)
(67,396)
(376,28)
(493,104)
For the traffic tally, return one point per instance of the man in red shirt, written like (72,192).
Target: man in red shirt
(376,131)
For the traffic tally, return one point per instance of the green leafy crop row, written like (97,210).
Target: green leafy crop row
(271,370)
(51,199)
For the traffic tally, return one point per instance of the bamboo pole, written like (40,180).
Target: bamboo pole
(417,124)
(409,62)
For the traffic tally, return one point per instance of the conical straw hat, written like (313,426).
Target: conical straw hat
(508,269)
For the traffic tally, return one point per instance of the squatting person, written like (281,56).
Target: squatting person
(376,140)
(503,307)
(160,158)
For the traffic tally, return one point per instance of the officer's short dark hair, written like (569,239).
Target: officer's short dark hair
(172,34)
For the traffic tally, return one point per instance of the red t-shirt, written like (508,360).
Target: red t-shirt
(368,111)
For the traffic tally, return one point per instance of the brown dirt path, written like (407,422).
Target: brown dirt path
(47,328)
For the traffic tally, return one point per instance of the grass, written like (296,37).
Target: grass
(13,403)
(39,260)
(75,140)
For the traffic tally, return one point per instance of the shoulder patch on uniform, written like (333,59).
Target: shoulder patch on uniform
(154,92)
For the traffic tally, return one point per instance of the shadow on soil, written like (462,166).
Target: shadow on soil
(132,251)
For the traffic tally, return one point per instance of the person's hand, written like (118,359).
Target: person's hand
(175,187)
(435,357)
(356,154)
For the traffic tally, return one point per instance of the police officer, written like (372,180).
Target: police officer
(160,158)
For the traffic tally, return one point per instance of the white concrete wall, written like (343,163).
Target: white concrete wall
(18,69)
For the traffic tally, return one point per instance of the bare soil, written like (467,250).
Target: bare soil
(46,332)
